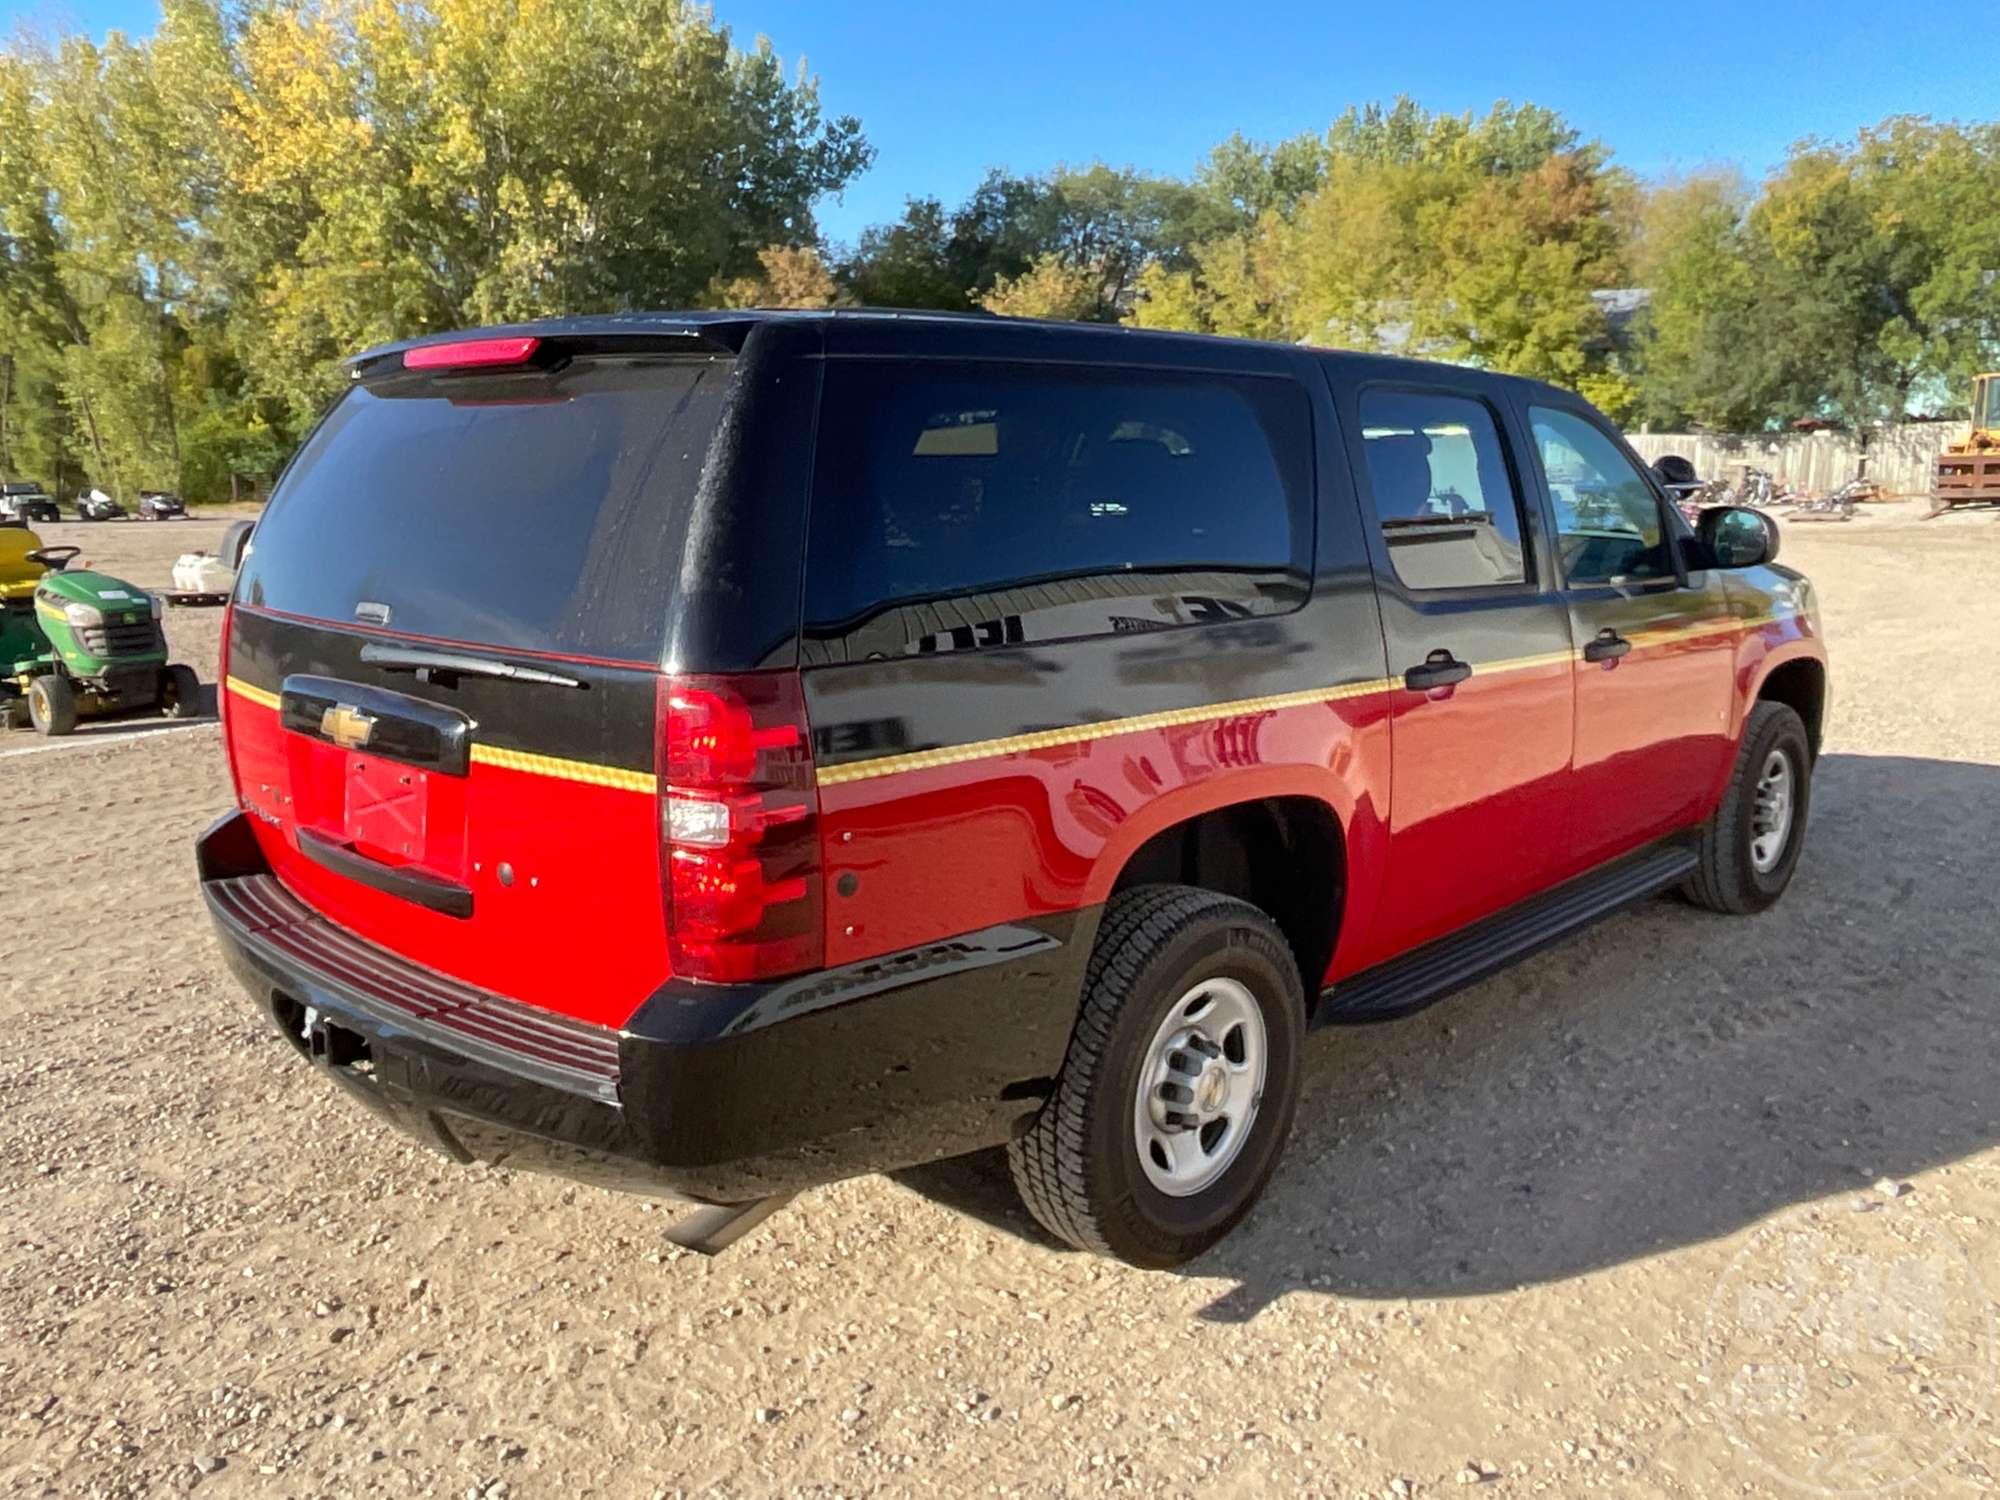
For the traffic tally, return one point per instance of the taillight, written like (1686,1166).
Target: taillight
(471,354)
(739,826)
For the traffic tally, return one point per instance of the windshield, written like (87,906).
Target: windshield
(534,512)
(1986,402)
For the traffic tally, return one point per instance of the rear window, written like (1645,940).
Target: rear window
(541,512)
(958,506)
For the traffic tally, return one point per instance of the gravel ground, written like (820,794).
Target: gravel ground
(1686,1206)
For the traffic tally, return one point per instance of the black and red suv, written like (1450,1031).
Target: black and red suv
(715,754)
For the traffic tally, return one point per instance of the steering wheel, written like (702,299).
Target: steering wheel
(55,559)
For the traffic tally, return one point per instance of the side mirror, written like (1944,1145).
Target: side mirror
(1737,536)
(236,544)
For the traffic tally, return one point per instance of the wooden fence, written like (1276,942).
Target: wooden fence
(1902,459)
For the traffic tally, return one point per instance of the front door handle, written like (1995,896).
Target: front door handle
(1439,669)
(1608,646)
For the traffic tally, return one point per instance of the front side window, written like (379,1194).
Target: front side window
(1608,522)
(1442,491)
(961,506)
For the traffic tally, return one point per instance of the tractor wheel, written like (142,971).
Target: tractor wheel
(13,714)
(52,705)
(180,692)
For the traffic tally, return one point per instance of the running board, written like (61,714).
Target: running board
(1410,983)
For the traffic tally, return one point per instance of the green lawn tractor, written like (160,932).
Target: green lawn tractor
(79,643)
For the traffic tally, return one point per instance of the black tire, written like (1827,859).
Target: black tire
(1727,879)
(180,692)
(1078,1167)
(13,714)
(51,705)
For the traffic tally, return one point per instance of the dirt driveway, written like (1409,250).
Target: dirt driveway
(1688,1206)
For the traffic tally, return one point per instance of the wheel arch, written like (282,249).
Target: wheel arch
(1798,682)
(1284,852)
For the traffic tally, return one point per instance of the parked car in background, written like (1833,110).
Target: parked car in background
(721,753)
(95,505)
(27,503)
(159,505)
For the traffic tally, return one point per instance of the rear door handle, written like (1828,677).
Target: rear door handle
(1439,669)
(1608,646)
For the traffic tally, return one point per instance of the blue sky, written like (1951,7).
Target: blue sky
(943,91)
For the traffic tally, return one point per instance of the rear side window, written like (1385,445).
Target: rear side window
(1609,526)
(1443,494)
(957,506)
(541,511)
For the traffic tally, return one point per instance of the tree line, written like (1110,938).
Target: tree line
(196,227)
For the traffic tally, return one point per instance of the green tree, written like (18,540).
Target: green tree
(396,168)
(195,229)
(1050,288)
(1476,239)
(1100,224)
(787,276)
(1858,285)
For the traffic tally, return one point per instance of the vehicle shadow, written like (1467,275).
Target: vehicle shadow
(126,726)
(1664,1078)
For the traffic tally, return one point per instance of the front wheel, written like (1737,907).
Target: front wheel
(1751,846)
(180,692)
(51,705)
(1178,1090)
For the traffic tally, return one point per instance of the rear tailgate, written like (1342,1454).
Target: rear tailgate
(444,662)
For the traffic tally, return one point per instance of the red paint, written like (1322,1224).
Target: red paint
(1654,742)
(1483,789)
(580,931)
(947,850)
(1481,783)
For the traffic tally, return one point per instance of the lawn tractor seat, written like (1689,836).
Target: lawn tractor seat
(20,570)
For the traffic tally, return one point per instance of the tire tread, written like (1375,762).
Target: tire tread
(1048,1163)
(1717,883)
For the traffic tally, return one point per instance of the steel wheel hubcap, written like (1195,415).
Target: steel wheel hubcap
(1200,1087)
(1771,817)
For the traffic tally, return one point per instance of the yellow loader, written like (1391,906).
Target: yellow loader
(1968,473)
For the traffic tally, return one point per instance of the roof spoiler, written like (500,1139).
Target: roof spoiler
(544,345)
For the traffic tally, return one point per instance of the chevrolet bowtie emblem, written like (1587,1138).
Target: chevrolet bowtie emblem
(346,726)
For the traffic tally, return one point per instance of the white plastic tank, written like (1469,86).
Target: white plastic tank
(202,573)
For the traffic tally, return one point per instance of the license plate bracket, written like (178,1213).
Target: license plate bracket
(386,809)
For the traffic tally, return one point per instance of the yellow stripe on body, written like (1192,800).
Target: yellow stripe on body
(564,770)
(1049,739)
(252,693)
(1044,739)
(508,760)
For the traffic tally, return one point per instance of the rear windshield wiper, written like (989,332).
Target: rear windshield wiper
(456,664)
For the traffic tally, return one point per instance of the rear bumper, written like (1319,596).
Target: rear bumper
(714,1093)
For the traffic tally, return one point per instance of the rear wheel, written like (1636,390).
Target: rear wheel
(1750,848)
(180,692)
(1177,1093)
(51,705)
